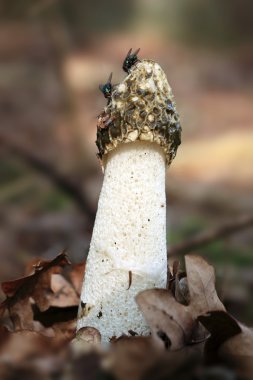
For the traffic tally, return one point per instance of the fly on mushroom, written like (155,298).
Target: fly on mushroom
(130,60)
(106,88)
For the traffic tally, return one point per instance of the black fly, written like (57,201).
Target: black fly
(106,88)
(130,60)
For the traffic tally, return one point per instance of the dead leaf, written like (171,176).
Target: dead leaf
(42,292)
(175,324)
(10,288)
(64,294)
(230,341)
(76,275)
(23,293)
(64,332)
(239,345)
(170,322)
(222,327)
(178,284)
(201,283)
(182,293)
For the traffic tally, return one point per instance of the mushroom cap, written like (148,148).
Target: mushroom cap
(141,108)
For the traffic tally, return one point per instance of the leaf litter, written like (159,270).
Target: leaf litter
(192,334)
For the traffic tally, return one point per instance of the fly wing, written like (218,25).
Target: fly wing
(129,53)
(137,51)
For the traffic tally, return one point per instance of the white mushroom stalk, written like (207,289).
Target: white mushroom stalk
(138,133)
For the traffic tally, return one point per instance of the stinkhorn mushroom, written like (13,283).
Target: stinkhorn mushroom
(137,135)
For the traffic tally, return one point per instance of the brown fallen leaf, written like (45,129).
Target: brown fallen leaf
(178,283)
(64,294)
(239,345)
(10,288)
(176,324)
(172,272)
(173,316)
(64,332)
(230,341)
(76,275)
(170,322)
(36,289)
(201,283)
(222,327)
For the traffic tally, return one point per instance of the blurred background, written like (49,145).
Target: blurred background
(54,54)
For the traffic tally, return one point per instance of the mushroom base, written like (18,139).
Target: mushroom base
(128,247)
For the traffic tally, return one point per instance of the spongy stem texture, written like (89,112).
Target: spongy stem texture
(128,246)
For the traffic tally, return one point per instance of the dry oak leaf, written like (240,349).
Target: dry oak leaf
(178,284)
(230,341)
(173,324)
(64,332)
(64,295)
(36,289)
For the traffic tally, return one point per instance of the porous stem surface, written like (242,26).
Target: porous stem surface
(128,246)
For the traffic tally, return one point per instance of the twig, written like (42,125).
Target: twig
(61,181)
(212,235)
